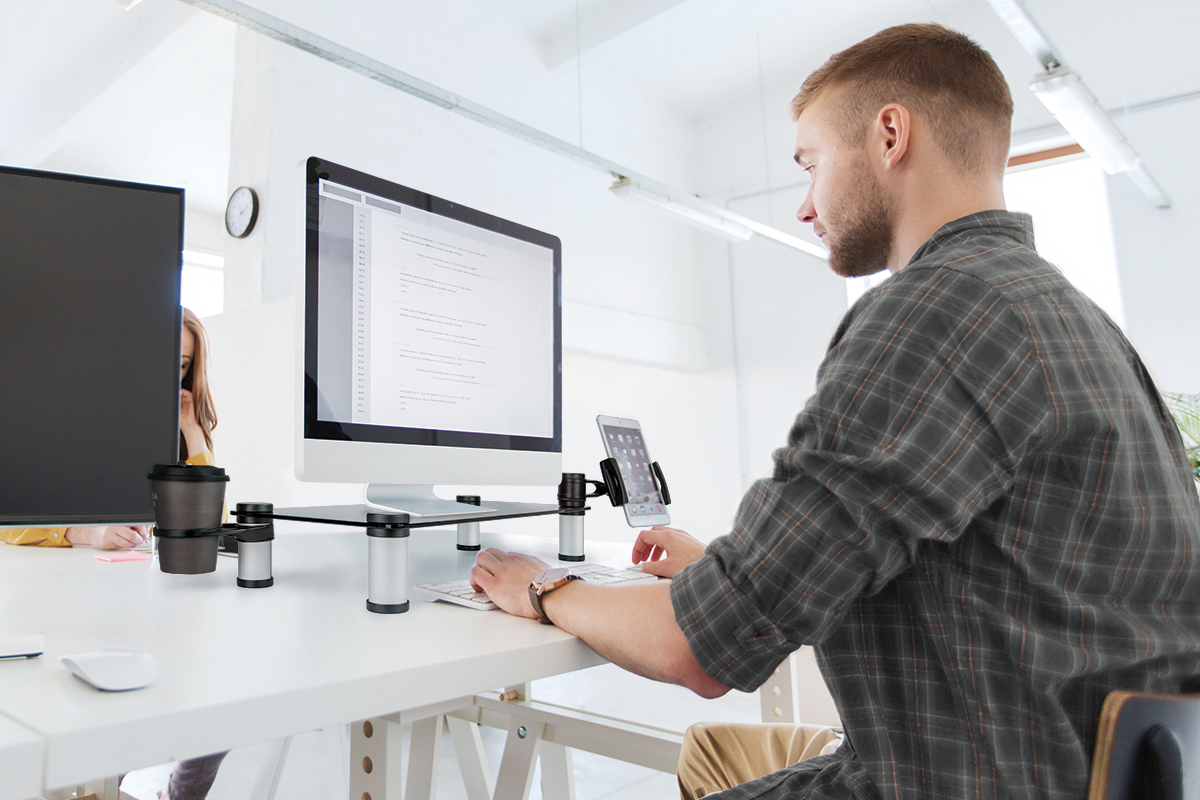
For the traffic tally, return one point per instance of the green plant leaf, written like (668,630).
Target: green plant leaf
(1186,410)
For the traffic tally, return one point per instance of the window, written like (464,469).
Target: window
(1068,201)
(202,286)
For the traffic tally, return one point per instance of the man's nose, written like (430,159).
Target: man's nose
(807,211)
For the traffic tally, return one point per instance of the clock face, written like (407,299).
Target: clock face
(242,212)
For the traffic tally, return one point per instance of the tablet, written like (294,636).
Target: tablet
(625,443)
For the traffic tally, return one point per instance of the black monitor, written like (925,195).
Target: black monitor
(89,346)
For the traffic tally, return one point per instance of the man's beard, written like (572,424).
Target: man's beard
(866,225)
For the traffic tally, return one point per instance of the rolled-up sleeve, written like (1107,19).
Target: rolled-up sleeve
(38,537)
(905,441)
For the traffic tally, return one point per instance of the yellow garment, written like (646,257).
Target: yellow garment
(57,537)
(718,756)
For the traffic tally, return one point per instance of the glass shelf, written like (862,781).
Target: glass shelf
(356,515)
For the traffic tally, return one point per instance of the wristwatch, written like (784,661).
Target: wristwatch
(546,582)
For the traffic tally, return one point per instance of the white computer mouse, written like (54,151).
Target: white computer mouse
(113,669)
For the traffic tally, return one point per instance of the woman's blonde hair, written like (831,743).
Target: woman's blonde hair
(196,382)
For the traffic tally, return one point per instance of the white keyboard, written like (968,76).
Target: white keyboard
(460,592)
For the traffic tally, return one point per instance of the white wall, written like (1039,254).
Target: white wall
(620,254)
(154,122)
(1157,249)
(646,313)
(784,303)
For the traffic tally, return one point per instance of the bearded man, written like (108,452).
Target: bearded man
(982,521)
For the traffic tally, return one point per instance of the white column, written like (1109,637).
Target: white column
(249,161)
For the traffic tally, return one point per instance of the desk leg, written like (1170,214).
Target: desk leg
(520,756)
(472,761)
(336,741)
(270,767)
(424,756)
(376,765)
(558,772)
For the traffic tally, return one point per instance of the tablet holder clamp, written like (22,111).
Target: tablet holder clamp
(572,503)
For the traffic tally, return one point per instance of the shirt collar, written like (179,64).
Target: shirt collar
(1015,224)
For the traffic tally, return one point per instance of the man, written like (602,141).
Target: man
(982,521)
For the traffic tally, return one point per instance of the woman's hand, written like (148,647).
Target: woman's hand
(116,537)
(665,551)
(189,425)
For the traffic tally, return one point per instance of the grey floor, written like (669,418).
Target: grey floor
(312,770)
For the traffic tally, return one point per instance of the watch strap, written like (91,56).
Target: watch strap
(536,592)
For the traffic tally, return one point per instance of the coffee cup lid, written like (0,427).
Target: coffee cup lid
(187,472)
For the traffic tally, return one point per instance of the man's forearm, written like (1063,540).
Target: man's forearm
(633,627)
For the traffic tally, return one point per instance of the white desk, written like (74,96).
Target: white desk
(245,665)
(22,755)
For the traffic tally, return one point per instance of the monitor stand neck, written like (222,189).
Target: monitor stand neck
(417,500)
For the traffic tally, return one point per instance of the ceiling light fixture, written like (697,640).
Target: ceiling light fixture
(1063,93)
(712,223)
(1068,99)
(1076,109)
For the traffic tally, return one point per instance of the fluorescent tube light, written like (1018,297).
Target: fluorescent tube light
(733,231)
(1144,181)
(1077,110)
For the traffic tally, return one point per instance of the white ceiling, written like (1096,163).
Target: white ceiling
(145,94)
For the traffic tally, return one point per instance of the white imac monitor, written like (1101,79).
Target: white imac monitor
(432,345)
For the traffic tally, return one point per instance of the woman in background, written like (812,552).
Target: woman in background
(197,418)
(192,778)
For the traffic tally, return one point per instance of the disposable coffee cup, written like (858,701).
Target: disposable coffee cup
(188,552)
(187,497)
(188,504)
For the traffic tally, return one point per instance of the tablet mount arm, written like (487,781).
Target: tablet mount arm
(572,502)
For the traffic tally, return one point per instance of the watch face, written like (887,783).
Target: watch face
(241,212)
(552,575)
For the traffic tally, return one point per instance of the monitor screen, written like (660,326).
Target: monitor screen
(89,346)
(428,324)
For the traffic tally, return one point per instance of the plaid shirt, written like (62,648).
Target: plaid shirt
(983,521)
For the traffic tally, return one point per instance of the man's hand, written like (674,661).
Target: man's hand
(115,537)
(665,551)
(505,577)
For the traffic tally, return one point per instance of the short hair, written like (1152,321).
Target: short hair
(933,71)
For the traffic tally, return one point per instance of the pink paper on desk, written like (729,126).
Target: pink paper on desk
(123,555)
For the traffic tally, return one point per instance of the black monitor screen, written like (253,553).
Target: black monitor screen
(89,346)
(428,322)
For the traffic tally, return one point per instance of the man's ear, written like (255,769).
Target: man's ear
(892,127)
